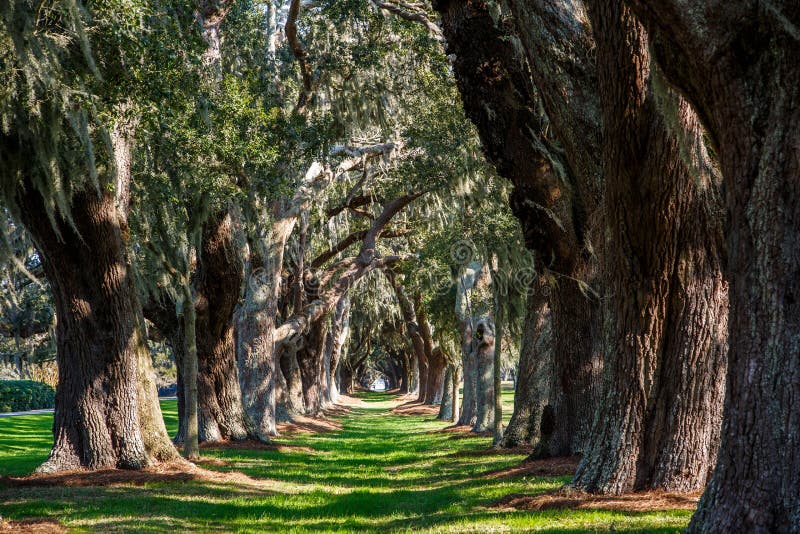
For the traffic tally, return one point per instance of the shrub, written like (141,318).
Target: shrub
(23,395)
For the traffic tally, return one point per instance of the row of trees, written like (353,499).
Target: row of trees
(284,193)
(653,152)
(194,175)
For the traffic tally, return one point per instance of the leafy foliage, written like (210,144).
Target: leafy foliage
(24,395)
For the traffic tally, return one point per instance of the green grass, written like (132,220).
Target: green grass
(379,473)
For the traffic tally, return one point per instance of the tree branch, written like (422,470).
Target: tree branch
(345,243)
(411,13)
(301,56)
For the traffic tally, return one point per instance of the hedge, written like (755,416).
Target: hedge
(24,395)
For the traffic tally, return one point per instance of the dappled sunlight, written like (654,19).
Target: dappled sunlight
(378,472)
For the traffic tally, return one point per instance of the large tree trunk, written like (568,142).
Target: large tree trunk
(576,371)
(309,358)
(556,193)
(106,409)
(483,349)
(469,366)
(497,390)
(419,376)
(257,354)
(189,365)
(535,374)
(446,407)
(659,415)
(456,394)
(737,63)
(405,385)
(435,359)
(346,375)
(290,386)
(218,281)
(437,365)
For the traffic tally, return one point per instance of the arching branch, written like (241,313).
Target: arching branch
(410,12)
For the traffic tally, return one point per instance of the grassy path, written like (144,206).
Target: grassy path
(380,473)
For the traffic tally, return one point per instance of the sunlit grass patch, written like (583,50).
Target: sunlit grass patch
(380,473)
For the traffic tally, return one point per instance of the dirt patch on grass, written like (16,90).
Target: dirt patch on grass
(215,462)
(33,525)
(308,425)
(452,429)
(248,444)
(169,472)
(651,501)
(346,400)
(494,452)
(415,408)
(548,467)
(470,434)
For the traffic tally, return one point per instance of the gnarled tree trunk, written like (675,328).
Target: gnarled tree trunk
(309,358)
(737,63)
(218,281)
(290,386)
(434,357)
(469,365)
(483,347)
(556,192)
(535,374)
(575,388)
(660,411)
(106,409)
(446,407)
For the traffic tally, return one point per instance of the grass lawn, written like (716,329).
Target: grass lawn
(379,473)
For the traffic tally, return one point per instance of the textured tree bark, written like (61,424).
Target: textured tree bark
(257,351)
(159,309)
(405,385)
(736,61)
(437,365)
(290,401)
(535,374)
(191,447)
(434,358)
(456,394)
(556,193)
(309,358)
(340,331)
(557,39)
(576,371)
(104,402)
(346,375)
(659,416)
(483,347)
(495,83)
(446,407)
(497,400)
(218,281)
(469,365)
(419,376)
